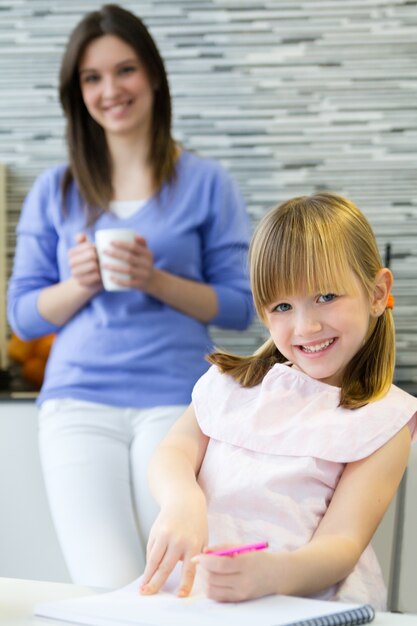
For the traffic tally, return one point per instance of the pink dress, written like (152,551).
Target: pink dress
(275,456)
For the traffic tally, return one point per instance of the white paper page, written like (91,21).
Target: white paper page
(126,606)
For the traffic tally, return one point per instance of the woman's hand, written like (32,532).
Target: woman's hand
(178,534)
(238,577)
(83,261)
(134,259)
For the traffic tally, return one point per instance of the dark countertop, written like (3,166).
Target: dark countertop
(12,396)
(14,387)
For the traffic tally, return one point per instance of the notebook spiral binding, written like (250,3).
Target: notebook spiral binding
(354,617)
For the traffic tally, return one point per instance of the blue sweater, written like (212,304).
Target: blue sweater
(127,348)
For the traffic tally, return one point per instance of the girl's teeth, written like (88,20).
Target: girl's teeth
(318,347)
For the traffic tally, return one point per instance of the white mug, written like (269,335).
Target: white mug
(104,238)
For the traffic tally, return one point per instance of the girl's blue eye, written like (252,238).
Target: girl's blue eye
(281,308)
(327,297)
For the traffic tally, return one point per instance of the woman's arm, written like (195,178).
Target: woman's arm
(38,302)
(180,531)
(359,502)
(190,297)
(59,302)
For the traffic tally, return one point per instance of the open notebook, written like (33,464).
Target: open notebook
(126,606)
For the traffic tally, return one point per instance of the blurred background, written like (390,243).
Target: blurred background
(292,97)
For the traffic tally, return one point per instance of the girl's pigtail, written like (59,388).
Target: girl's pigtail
(248,371)
(369,375)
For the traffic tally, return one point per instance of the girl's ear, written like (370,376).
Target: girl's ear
(382,289)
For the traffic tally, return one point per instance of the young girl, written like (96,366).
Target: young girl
(304,443)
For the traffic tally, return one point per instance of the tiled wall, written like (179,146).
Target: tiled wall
(291,96)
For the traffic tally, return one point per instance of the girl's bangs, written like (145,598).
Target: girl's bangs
(293,266)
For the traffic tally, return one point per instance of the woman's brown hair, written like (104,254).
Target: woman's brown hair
(89,159)
(314,244)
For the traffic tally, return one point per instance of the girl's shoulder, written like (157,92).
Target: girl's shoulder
(397,397)
(399,400)
(289,413)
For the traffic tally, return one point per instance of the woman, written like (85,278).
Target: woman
(114,383)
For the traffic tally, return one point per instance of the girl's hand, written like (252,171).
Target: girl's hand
(134,259)
(238,577)
(177,535)
(84,264)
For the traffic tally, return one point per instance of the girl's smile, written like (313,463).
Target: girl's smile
(317,349)
(320,333)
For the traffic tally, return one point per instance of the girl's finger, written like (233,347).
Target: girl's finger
(219,564)
(221,593)
(220,546)
(154,558)
(187,578)
(149,547)
(160,575)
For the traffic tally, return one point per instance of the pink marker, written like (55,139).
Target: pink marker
(240,549)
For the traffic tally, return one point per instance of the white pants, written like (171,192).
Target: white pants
(94,459)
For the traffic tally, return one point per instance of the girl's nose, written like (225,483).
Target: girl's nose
(307,324)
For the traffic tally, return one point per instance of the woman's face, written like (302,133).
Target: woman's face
(115,87)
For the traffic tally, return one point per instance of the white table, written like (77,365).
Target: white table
(18,597)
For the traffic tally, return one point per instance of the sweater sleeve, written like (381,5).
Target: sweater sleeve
(35,264)
(226,240)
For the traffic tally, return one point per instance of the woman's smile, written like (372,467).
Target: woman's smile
(118,109)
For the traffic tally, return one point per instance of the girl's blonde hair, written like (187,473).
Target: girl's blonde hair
(315,244)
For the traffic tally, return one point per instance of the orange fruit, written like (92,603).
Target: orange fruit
(43,346)
(33,370)
(19,350)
